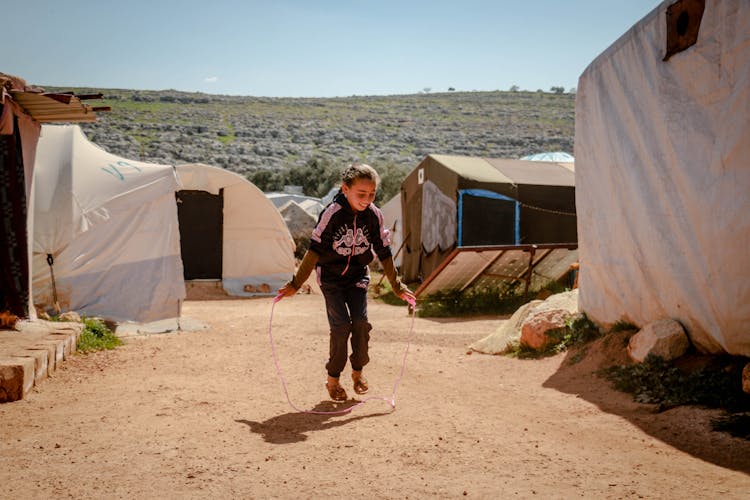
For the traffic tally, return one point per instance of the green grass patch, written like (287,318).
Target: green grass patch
(96,337)
(471,302)
(228,136)
(480,301)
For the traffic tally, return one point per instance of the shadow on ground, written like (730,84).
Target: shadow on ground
(295,426)
(687,428)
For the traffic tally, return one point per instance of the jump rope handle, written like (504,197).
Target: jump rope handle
(278,297)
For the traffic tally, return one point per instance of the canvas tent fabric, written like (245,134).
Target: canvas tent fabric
(454,201)
(309,202)
(257,248)
(662,178)
(300,224)
(393,220)
(109,225)
(22,111)
(555,156)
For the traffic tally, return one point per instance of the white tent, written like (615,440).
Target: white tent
(281,199)
(257,255)
(109,227)
(662,179)
(555,156)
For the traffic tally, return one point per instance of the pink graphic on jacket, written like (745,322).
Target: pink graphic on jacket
(345,240)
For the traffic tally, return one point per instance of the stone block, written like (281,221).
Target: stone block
(41,362)
(58,345)
(67,342)
(51,349)
(16,378)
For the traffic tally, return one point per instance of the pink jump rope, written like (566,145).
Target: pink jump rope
(391,401)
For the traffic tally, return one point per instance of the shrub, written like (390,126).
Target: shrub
(657,381)
(474,301)
(96,336)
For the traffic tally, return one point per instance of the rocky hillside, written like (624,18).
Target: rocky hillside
(246,134)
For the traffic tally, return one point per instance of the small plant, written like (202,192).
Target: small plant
(96,337)
(623,326)
(658,381)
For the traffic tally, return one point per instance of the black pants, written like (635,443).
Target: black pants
(346,307)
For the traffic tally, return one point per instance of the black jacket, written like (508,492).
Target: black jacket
(345,241)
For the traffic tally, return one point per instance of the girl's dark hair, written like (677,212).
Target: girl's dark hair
(359,171)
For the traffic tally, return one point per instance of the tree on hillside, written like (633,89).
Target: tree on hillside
(267,180)
(316,177)
(391,177)
(557,90)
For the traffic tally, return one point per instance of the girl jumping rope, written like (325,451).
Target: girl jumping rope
(348,231)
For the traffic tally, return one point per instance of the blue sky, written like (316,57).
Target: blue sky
(313,48)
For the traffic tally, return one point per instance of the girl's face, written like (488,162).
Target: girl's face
(360,194)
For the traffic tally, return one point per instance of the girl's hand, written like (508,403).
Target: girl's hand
(287,290)
(408,296)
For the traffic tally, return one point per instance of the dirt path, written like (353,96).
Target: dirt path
(203,414)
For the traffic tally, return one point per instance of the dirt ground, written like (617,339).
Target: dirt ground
(202,414)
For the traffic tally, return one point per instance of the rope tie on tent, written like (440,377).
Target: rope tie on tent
(391,401)
(547,210)
(50,261)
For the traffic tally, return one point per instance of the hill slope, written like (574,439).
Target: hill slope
(246,134)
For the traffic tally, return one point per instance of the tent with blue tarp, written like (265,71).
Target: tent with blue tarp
(461,201)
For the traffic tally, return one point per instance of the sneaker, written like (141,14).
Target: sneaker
(336,392)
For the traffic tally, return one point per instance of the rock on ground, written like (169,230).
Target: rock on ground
(508,333)
(665,338)
(552,314)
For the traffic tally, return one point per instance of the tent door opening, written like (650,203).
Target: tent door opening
(487,218)
(201,216)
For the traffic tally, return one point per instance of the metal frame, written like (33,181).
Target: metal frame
(537,254)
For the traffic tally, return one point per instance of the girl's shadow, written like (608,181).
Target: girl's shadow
(292,427)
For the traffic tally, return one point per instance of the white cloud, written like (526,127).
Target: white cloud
(211,79)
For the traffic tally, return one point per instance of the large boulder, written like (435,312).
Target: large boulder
(664,338)
(746,378)
(551,315)
(508,333)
